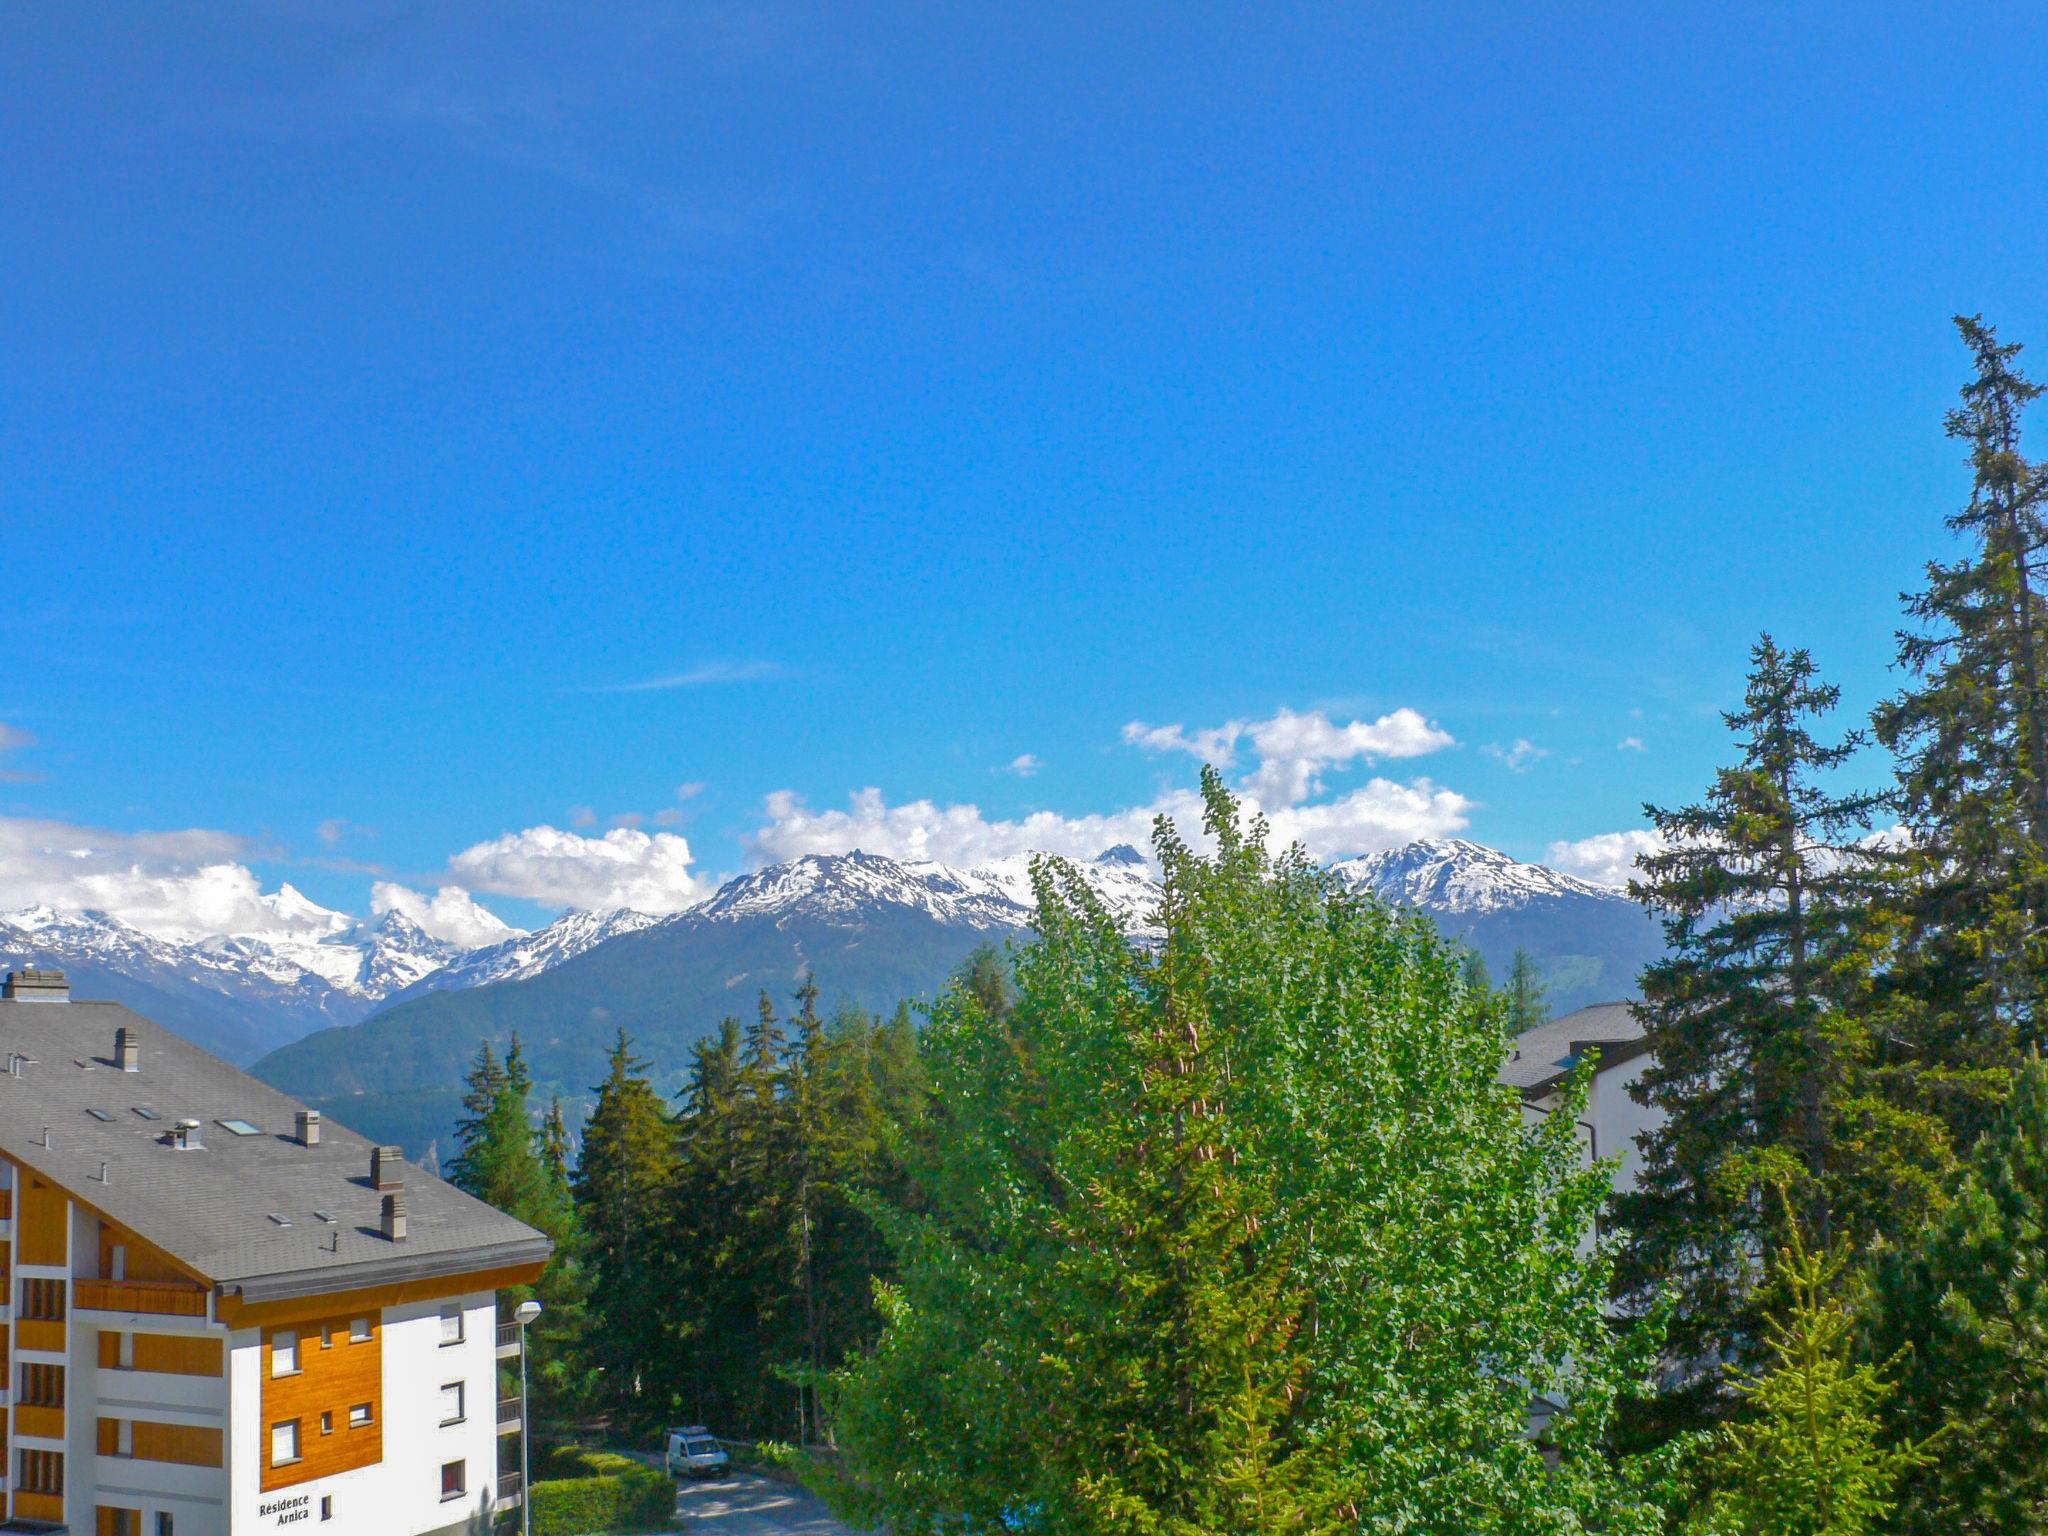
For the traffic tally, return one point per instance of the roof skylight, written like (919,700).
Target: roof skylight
(99,1114)
(147,1113)
(240,1127)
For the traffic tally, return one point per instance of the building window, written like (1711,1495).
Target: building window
(163,1523)
(42,1386)
(284,1353)
(284,1443)
(451,1325)
(451,1403)
(326,1423)
(326,1506)
(358,1416)
(327,1336)
(42,1472)
(454,1479)
(359,1331)
(121,1522)
(43,1300)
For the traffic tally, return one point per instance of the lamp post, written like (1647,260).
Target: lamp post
(527,1311)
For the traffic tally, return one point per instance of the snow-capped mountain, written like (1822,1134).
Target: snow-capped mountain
(994,897)
(1451,875)
(528,954)
(873,931)
(244,994)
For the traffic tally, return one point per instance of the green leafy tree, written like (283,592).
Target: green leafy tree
(1966,978)
(1758,1063)
(1808,1456)
(1963,1306)
(1238,1233)
(622,1185)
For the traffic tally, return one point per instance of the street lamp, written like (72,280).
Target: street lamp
(526,1312)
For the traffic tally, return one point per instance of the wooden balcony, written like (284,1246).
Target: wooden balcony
(166,1298)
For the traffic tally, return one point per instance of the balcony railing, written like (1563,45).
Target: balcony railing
(508,1415)
(511,1489)
(166,1298)
(508,1340)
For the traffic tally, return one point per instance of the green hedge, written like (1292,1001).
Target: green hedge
(614,1493)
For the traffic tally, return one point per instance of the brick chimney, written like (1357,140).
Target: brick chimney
(387,1171)
(394,1217)
(309,1131)
(127,1051)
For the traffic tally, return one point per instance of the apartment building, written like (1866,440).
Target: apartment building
(1611,1121)
(223,1317)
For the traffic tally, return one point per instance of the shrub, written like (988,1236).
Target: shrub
(607,1492)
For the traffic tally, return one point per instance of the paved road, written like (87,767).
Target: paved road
(746,1504)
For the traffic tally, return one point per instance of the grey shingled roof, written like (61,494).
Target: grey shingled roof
(1543,1056)
(211,1208)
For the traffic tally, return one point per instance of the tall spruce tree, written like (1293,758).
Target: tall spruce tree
(1760,887)
(623,1183)
(1963,1306)
(1966,983)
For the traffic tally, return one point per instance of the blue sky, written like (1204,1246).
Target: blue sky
(394,395)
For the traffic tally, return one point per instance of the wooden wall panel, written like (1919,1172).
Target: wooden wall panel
(331,1379)
(141,1259)
(117,1521)
(35,1333)
(39,1234)
(47,1507)
(191,1445)
(179,1354)
(46,1422)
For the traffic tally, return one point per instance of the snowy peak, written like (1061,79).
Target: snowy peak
(528,954)
(1449,874)
(845,887)
(996,897)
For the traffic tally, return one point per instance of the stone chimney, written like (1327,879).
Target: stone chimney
(309,1130)
(127,1051)
(394,1217)
(39,986)
(386,1169)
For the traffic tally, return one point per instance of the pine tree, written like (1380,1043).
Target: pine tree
(1963,1305)
(622,1185)
(1967,979)
(1808,1455)
(1760,887)
(1527,997)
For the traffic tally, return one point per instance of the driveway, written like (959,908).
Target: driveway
(747,1504)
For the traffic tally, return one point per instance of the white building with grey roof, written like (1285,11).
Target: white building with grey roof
(223,1316)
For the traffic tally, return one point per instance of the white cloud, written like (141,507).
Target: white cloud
(1217,745)
(1630,744)
(1293,749)
(13,737)
(177,885)
(1025,764)
(1379,814)
(331,831)
(704,676)
(624,868)
(1519,757)
(1607,858)
(450,914)
(582,816)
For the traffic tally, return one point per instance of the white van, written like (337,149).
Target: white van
(693,1453)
